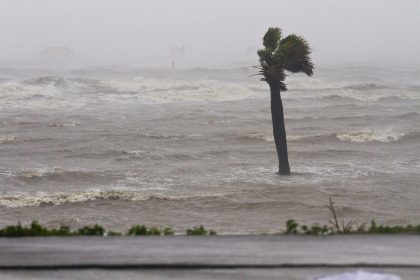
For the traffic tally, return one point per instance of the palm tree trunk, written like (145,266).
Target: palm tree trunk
(279,130)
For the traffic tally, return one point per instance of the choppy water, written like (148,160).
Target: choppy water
(123,146)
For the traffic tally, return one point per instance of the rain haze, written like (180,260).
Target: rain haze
(260,118)
(150,112)
(102,32)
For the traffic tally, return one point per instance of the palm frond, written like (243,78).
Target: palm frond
(280,55)
(294,52)
(271,39)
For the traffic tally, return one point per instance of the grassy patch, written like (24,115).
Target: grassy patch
(95,230)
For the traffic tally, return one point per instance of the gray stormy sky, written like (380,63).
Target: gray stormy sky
(213,31)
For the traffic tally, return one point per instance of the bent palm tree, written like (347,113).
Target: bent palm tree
(278,56)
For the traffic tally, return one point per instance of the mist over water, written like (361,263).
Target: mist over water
(212,33)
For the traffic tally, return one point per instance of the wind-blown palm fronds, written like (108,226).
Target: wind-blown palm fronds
(283,54)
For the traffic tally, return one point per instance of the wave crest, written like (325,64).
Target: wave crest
(268,137)
(7,139)
(385,135)
(60,198)
(373,135)
(36,94)
(42,198)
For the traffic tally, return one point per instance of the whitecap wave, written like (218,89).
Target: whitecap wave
(162,136)
(48,80)
(270,138)
(356,93)
(60,175)
(136,153)
(43,198)
(58,92)
(385,135)
(7,139)
(371,135)
(367,87)
(34,95)
(295,83)
(260,136)
(150,90)
(64,124)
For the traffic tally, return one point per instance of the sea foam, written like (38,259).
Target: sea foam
(7,139)
(371,135)
(59,198)
(170,91)
(35,96)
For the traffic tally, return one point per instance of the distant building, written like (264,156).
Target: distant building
(56,53)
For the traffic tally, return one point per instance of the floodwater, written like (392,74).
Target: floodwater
(120,146)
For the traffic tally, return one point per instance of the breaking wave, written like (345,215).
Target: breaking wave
(171,91)
(348,93)
(373,135)
(270,138)
(41,93)
(60,198)
(49,80)
(368,135)
(162,136)
(57,92)
(11,139)
(7,139)
(313,83)
(367,87)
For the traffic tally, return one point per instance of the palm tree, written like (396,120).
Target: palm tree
(278,56)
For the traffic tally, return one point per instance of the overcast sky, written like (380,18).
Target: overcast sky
(213,31)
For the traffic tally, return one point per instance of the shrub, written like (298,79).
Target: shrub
(35,229)
(154,231)
(113,233)
(200,231)
(291,227)
(95,230)
(137,230)
(168,231)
